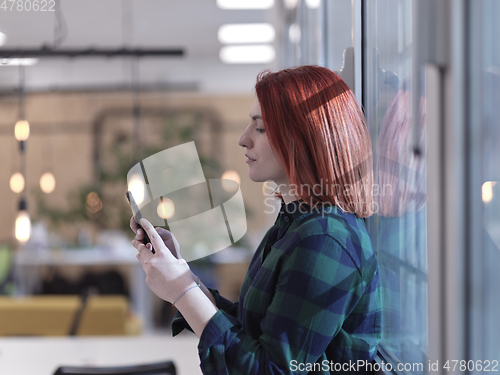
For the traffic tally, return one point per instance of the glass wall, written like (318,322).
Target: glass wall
(316,32)
(398,229)
(483,128)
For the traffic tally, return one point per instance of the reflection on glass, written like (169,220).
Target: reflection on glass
(398,229)
(488,123)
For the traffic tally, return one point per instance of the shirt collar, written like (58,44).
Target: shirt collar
(296,209)
(300,209)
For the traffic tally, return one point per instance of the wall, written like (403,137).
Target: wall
(61,141)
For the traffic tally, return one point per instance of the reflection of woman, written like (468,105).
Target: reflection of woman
(310,299)
(401,174)
(400,239)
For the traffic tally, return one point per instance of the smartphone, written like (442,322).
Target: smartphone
(137,217)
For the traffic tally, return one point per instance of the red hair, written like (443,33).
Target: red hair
(319,135)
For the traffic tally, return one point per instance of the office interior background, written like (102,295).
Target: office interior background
(87,88)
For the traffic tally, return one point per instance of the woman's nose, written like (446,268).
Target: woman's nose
(244,140)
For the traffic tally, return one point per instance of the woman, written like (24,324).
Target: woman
(310,301)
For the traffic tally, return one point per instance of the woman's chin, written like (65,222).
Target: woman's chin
(256,178)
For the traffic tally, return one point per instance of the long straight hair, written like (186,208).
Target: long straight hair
(319,135)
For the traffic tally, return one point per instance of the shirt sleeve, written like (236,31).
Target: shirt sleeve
(179,323)
(318,285)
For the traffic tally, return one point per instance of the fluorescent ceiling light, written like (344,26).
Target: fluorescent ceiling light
(3,38)
(17,62)
(314,4)
(257,54)
(246,33)
(294,33)
(291,4)
(245,4)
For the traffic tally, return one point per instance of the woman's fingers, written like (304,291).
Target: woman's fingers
(133,225)
(144,254)
(153,235)
(169,240)
(135,228)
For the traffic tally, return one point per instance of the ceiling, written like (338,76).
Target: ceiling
(188,24)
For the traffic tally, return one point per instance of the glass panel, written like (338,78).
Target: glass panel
(398,228)
(316,32)
(484,125)
(337,18)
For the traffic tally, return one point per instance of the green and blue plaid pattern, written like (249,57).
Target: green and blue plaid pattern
(315,298)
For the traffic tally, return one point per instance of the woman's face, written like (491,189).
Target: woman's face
(262,163)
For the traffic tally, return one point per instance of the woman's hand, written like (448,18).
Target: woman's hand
(171,243)
(168,238)
(167,276)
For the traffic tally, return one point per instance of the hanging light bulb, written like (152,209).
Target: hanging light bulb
(94,203)
(23,222)
(47,183)
(166,209)
(22,130)
(230,175)
(136,186)
(17,182)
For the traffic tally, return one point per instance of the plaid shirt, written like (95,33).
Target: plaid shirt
(313,301)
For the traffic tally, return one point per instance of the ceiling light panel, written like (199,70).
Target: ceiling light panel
(313,4)
(291,4)
(255,54)
(245,4)
(18,61)
(246,33)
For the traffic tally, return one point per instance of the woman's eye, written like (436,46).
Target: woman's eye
(260,130)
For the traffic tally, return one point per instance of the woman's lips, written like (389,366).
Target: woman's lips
(249,160)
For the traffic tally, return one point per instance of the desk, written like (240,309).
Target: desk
(43,355)
(28,263)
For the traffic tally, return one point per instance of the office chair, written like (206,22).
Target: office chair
(159,368)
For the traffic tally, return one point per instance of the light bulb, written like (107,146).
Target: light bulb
(94,204)
(229,175)
(166,209)
(488,191)
(22,130)
(136,186)
(23,223)
(47,183)
(17,182)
